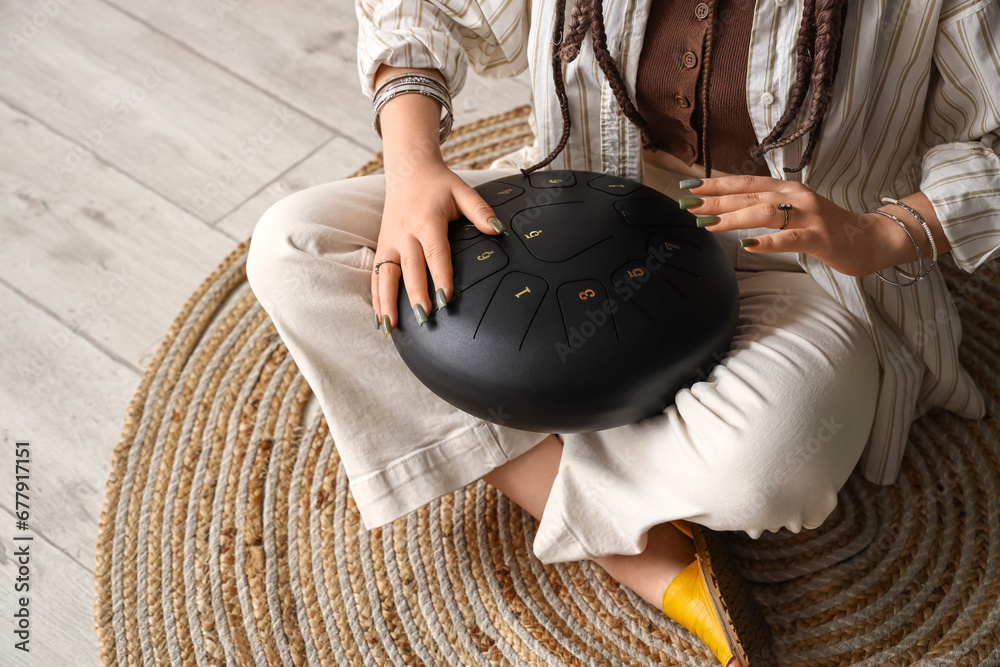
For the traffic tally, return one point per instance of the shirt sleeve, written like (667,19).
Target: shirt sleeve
(960,170)
(447,35)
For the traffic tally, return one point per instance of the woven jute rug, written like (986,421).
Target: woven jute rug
(229,536)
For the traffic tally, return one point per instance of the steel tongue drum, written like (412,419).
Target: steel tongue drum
(602,302)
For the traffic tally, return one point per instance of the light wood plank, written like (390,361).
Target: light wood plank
(111,259)
(303,51)
(61,609)
(336,160)
(192,131)
(67,398)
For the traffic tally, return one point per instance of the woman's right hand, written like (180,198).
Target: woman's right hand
(422,195)
(419,204)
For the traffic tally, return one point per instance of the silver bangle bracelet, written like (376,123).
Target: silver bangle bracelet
(927,230)
(414,77)
(402,84)
(444,128)
(912,278)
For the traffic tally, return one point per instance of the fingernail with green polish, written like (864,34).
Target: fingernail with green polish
(497,225)
(690,202)
(706,220)
(386,328)
(749,243)
(442,300)
(689,183)
(418,312)
(378,323)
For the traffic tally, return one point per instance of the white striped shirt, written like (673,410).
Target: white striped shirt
(916,107)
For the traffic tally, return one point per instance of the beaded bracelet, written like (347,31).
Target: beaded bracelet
(413,82)
(910,276)
(927,230)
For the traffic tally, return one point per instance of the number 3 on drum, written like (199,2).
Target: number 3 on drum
(586,294)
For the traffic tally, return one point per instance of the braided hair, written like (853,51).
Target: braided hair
(817,56)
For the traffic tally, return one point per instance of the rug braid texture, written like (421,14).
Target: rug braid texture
(228,535)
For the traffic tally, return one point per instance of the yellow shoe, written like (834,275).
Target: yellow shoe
(686,601)
(711,599)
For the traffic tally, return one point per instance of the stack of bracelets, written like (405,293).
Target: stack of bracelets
(414,83)
(924,269)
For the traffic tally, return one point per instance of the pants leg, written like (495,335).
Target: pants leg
(764,442)
(309,265)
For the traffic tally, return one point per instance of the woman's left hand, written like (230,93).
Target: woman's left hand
(846,241)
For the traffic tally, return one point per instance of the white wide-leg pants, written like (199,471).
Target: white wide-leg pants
(764,442)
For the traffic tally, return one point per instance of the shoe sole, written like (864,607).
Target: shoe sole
(742,620)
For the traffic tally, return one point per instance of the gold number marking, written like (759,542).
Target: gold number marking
(505,192)
(533,234)
(555,180)
(586,294)
(616,185)
(636,273)
(485,255)
(526,289)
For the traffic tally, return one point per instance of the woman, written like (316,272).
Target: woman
(818,109)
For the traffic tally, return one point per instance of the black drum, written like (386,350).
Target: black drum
(602,302)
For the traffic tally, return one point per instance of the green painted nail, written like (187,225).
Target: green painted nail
(749,243)
(442,300)
(706,220)
(689,183)
(690,202)
(386,328)
(378,324)
(418,312)
(497,225)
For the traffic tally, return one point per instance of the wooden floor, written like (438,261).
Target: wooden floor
(118,123)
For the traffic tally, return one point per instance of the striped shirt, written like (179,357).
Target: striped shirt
(916,107)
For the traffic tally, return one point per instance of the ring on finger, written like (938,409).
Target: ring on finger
(392,261)
(785,208)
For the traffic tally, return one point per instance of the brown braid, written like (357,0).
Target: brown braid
(560,89)
(610,69)
(706,158)
(817,57)
(803,69)
(829,28)
(579,21)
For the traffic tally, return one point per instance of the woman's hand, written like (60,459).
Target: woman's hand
(855,244)
(419,203)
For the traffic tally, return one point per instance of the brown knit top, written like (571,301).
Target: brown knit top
(671,76)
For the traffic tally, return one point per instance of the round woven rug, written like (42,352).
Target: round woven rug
(228,534)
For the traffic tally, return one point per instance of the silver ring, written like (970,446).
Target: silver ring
(387,261)
(786,208)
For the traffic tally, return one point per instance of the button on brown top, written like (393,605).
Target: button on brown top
(671,75)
